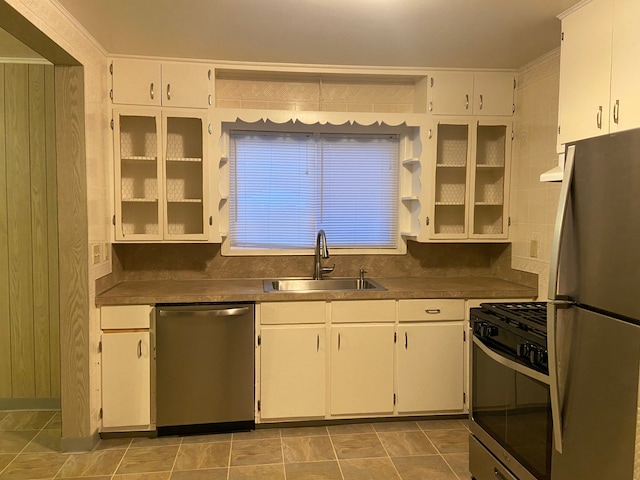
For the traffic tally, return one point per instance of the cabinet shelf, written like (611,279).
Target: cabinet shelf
(456,165)
(139,158)
(487,204)
(481,166)
(184,159)
(450,204)
(410,198)
(411,161)
(139,200)
(184,200)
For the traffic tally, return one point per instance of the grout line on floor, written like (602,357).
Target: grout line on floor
(113,475)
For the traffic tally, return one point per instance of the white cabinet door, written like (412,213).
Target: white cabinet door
(493,93)
(585,69)
(467,93)
(185,174)
(136,82)
(430,367)
(138,174)
(186,85)
(625,66)
(170,84)
(292,377)
(362,369)
(126,380)
(451,93)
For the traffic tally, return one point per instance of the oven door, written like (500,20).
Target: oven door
(511,413)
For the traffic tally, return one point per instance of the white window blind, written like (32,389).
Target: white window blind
(284,188)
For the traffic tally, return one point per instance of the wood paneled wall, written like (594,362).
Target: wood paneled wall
(29,291)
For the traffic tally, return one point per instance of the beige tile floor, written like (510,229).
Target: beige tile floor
(407,450)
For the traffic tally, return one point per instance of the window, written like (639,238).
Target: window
(284,187)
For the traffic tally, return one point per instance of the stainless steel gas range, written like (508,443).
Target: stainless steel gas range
(510,414)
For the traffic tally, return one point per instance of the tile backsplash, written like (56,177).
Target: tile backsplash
(202,261)
(534,203)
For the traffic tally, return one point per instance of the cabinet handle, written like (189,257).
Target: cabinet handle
(616,112)
(481,101)
(151,92)
(317,343)
(432,311)
(338,342)
(599,117)
(466,105)
(430,134)
(406,340)
(168,91)
(140,348)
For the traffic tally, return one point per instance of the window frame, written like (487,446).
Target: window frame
(295,128)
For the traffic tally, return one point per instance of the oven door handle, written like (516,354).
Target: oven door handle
(527,372)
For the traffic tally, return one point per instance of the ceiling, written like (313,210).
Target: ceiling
(385,33)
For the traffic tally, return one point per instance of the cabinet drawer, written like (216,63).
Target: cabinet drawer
(125,317)
(274,313)
(430,310)
(364,311)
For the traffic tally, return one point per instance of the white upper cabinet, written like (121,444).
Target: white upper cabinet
(599,64)
(169,84)
(585,66)
(625,65)
(469,179)
(161,170)
(465,93)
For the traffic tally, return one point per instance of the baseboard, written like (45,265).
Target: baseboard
(79,444)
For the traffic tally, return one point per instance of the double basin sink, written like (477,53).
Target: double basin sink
(304,285)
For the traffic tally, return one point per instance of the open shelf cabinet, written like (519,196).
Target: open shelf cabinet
(470,178)
(160,172)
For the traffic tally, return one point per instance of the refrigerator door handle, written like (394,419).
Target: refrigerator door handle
(554,379)
(559,226)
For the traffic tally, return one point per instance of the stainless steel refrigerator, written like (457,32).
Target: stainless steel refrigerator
(594,311)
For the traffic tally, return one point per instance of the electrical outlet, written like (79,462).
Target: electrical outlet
(95,253)
(533,248)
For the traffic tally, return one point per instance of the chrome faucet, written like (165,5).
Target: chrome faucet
(321,251)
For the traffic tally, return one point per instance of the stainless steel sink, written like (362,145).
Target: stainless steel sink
(325,285)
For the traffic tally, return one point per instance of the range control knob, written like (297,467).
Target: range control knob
(484,329)
(533,353)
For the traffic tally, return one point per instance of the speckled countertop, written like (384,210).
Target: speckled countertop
(234,290)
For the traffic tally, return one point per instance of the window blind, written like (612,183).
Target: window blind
(284,188)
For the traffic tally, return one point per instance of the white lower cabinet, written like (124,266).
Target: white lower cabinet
(360,358)
(362,369)
(430,367)
(126,380)
(127,343)
(293,379)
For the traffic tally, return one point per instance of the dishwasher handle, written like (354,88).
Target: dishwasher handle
(215,312)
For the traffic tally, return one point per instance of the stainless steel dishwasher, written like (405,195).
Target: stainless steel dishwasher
(204,368)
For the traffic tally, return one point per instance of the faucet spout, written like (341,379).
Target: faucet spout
(321,251)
